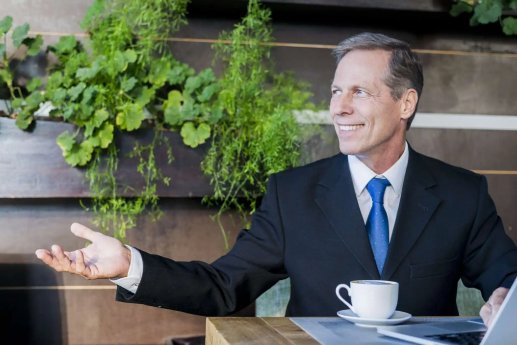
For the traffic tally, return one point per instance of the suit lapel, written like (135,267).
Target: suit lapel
(335,196)
(417,205)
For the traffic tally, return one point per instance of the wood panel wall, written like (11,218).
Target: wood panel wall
(467,71)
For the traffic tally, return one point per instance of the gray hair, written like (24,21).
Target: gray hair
(405,69)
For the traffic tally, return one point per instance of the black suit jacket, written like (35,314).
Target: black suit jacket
(309,228)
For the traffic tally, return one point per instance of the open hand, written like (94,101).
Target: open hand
(105,257)
(490,309)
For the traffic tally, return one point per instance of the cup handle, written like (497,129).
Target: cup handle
(338,288)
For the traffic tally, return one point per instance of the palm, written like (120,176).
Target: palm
(105,257)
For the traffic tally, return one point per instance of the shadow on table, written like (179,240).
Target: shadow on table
(31,312)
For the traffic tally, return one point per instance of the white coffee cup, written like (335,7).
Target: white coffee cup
(371,299)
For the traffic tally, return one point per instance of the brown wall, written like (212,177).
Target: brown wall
(37,204)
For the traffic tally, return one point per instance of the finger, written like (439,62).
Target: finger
(498,296)
(44,255)
(485,313)
(79,263)
(58,253)
(61,261)
(82,231)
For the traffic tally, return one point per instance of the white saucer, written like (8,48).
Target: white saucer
(397,317)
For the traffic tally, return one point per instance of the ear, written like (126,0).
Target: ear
(408,103)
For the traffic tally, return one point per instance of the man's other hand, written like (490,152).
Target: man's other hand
(490,309)
(105,257)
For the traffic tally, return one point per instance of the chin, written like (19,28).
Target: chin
(348,150)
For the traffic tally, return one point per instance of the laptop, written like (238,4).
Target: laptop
(502,332)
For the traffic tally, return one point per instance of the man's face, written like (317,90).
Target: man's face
(367,120)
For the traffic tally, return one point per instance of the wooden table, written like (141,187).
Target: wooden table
(255,331)
(281,330)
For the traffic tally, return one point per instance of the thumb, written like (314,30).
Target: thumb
(82,231)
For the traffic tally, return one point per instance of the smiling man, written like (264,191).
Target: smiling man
(377,210)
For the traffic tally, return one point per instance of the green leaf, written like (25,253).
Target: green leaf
(19,34)
(57,96)
(97,120)
(159,72)
(75,154)
(178,74)
(80,154)
(55,80)
(128,84)
(487,12)
(513,4)
(193,136)
(193,83)
(130,56)
(33,44)
(75,91)
(74,62)
(24,119)
(87,73)
(17,103)
(105,135)
(66,44)
(5,25)
(34,100)
(88,95)
(510,26)
(68,112)
(65,141)
(33,84)
(459,8)
(94,11)
(130,117)
(2,50)
(208,92)
(100,117)
(190,109)
(144,96)
(172,108)
(118,63)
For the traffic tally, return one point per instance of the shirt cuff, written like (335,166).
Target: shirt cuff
(134,276)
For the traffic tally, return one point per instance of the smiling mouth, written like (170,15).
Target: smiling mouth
(348,128)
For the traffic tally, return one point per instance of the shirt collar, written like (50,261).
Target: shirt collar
(361,174)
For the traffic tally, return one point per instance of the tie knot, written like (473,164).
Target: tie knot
(376,187)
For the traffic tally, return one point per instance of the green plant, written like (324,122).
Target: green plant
(258,135)
(23,46)
(489,11)
(124,81)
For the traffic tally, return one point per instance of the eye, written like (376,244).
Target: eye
(361,93)
(336,92)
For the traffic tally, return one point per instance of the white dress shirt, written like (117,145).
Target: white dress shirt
(361,175)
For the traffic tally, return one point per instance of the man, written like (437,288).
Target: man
(429,224)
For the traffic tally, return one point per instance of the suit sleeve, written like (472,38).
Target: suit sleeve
(490,259)
(231,283)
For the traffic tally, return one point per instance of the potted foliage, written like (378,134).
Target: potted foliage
(485,12)
(123,81)
(14,83)
(124,78)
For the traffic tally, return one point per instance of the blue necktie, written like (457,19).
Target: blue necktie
(377,223)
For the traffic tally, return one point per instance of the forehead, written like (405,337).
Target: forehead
(359,66)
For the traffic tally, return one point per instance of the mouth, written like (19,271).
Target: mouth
(349,128)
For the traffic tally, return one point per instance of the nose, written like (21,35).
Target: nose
(341,105)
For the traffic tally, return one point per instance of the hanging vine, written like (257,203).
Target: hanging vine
(258,135)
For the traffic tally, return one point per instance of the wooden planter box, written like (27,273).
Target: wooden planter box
(32,165)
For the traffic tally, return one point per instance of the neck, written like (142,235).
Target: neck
(380,162)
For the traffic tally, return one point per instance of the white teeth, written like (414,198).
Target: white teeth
(349,127)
